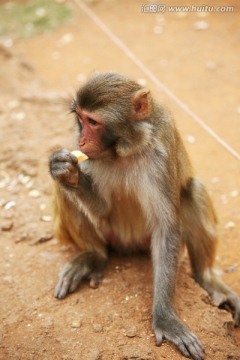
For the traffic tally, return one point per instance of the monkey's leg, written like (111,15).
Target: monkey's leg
(200,234)
(71,225)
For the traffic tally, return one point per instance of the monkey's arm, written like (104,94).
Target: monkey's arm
(64,168)
(73,225)
(165,253)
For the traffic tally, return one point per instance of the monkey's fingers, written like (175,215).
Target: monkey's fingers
(69,279)
(187,342)
(159,337)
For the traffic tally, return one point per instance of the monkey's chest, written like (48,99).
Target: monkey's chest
(126,225)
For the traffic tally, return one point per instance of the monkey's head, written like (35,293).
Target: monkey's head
(112,115)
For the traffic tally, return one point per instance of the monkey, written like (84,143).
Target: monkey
(136,191)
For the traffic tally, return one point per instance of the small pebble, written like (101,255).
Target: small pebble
(43,239)
(7,226)
(65,39)
(41,12)
(3,202)
(232,268)
(13,104)
(234,193)
(97,327)
(76,324)
(18,116)
(230,225)
(22,237)
(46,218)
(8,43)
(29,170)
(8,279)
(211,65)
(142,82)
(10,205)
(131,332)
(34,194)
(23,179)
(201,25)
(43,207)
(191,139)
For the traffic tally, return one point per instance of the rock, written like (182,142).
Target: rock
(230,225)
(234,193)
(46,218)
(13,104)
(34,193)
(42,239)
(191,139)
(232,268)
(201,25)
(131,332)
(22,237)
(211,65)
(97,327)
(8,279)
(7,226)
(10,204)
(18,116)
(28,170)
(76,324)
(23,179)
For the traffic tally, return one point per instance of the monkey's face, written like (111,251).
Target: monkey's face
(95,139)
(111,113)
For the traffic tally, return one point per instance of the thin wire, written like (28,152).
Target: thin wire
(153,78)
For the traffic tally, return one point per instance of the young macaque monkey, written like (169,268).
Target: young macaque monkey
(136,190)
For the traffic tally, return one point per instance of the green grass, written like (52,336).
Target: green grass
(32,18)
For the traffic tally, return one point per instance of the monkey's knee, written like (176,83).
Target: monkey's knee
(87,265)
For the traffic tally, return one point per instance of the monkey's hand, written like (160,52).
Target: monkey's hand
(88,265)
(63,167)
(170,328)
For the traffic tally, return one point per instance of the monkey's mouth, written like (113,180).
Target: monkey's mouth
(97,154)
(100,153)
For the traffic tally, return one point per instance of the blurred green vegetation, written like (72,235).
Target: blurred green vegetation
(32,17)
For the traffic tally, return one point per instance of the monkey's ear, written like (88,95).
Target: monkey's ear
(141,104)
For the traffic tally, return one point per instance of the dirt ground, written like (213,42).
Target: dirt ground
(195,55)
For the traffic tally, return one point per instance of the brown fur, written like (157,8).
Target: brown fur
(139,192)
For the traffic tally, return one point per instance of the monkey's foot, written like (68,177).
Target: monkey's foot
(173,330)
(88,265)
(230,303)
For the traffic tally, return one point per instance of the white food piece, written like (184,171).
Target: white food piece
(79,155)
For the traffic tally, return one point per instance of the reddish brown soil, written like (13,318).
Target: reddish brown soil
(36,77)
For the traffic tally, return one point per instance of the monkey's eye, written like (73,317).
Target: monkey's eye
(91,121)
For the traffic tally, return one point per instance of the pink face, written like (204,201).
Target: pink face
(90,136)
